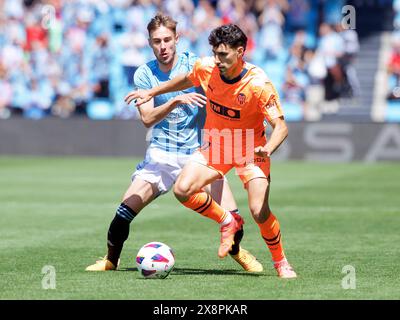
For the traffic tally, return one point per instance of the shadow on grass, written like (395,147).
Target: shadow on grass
(192,271)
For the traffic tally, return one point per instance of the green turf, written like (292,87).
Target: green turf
(56,212)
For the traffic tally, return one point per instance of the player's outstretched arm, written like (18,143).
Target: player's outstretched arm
(151,115)
(278,135)
(180,82)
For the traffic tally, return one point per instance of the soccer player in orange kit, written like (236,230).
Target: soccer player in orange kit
(239,97)
(176,122)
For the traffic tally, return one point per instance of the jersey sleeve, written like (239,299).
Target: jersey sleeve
(192,58)
(195,73)
(269,102)
(141,79)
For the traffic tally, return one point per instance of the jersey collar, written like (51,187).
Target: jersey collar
(234,80)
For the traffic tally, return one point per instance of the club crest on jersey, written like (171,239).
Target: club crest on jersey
(225,111)
(241,98)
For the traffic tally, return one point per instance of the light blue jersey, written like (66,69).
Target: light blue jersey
(180,130)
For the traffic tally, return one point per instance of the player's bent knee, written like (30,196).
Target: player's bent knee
(182,190)
(260,214)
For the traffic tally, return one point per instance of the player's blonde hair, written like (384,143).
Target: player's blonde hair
(161,19)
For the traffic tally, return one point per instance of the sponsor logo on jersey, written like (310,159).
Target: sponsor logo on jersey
(177,115)
(225,111)
(272,109)
(271,104)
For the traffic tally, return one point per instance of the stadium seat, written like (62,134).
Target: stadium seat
(258,56)
(312,26)
(392,82)
(275,72)
(392,111)
(283,56)
(100,109)
(292,111)
(333,11)
(34,113)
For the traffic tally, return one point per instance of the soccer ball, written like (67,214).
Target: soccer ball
(155,260)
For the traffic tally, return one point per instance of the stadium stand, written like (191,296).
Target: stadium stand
(77,58)
(392,66)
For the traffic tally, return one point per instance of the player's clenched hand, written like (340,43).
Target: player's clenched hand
(262,152)
(192,99)
(139,96)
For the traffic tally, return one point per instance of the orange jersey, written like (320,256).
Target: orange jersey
(241,103)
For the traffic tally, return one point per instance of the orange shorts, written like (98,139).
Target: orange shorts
(253,167)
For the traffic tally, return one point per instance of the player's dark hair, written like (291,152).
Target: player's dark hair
(159,20)
(229,34)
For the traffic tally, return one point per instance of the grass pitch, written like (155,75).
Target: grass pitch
(56,212)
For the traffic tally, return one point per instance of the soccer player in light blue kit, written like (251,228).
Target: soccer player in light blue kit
(177,119)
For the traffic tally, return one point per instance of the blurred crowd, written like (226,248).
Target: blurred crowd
(393,65)
(77,57)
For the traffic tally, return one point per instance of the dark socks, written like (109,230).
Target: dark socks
(118,232)
(238,237)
